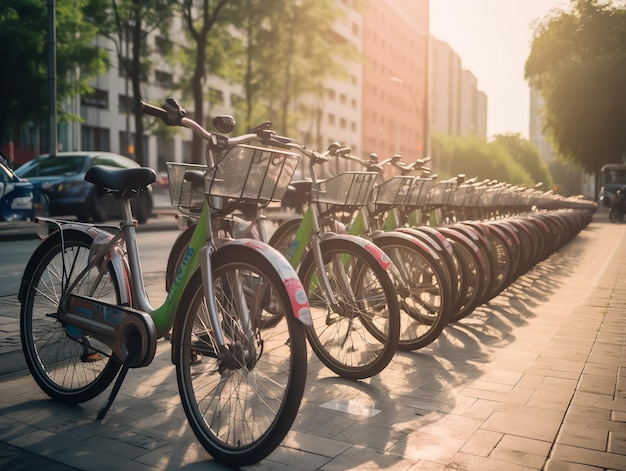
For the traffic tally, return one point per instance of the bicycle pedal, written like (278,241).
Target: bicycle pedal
(90,357)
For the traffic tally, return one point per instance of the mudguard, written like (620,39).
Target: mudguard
(297,295)
(368,245)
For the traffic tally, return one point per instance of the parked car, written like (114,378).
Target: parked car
(62,179)
(19,200)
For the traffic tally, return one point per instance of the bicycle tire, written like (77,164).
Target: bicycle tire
(66,369)
(216,396)
(442,246)
(284,235)
(472,272)
(422,289)
(360,354)
(182,242)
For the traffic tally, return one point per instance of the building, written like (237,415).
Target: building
(407,85)
(395,78)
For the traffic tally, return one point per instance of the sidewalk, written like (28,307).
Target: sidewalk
(534,380)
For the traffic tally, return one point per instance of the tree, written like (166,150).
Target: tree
(24,84)
(475,157)
(525,153)
(129,22)
(578,63)
(201,17)
(290,49)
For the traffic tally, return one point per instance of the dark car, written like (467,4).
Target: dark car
(62,179)
(19,201)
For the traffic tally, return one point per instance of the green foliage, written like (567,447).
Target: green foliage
(475,157)
(567,177)
(290,49)
(128,24)
(578,63)
(525,153)
(23,42)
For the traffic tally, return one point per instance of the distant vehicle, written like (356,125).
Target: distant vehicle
(17,197)
(612,179)
(62,179)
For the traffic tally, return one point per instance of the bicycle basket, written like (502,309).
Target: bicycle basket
(347,190)
(462,196)
(185,192)
(253,174)
(419,193)
(442,193)
(393,192)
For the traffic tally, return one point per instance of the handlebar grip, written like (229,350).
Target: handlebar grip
(147,108)
(171,113)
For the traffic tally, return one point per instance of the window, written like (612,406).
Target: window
(216,97)
(331,119)
(95,138)
(97,99)
(163,79)
(125,104)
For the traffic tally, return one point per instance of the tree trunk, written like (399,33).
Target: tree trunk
(140,156)
(198,98)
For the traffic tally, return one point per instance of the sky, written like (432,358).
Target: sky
(493,39)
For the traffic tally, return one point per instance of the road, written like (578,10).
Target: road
(154,248)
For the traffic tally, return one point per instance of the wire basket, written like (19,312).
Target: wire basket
(251,174)
(463,196)
(344,191)
(393,192)
(488,197)
(442,193)
(418,196)
(186,189)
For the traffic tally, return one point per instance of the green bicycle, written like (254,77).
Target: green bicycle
(86,318)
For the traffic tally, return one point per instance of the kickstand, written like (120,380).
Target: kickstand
(118,383)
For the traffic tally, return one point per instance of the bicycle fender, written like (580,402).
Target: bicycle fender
(289,277)
(381,257)
(114,256)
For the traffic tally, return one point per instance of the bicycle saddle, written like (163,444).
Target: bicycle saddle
(121,182)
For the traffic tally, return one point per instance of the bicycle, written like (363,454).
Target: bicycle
(356,316)
(86,319)
(418,272)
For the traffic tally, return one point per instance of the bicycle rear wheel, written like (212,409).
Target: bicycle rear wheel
(357,338)
(422,285)
(242,404)
(67,365)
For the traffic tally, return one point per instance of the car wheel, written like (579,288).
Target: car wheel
(95,211)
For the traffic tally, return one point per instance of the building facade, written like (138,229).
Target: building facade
(406,85)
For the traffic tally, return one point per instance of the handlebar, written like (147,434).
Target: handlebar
(173,114)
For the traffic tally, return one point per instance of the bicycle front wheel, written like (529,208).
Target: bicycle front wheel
(240,402)
(68,365)
(358,337)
